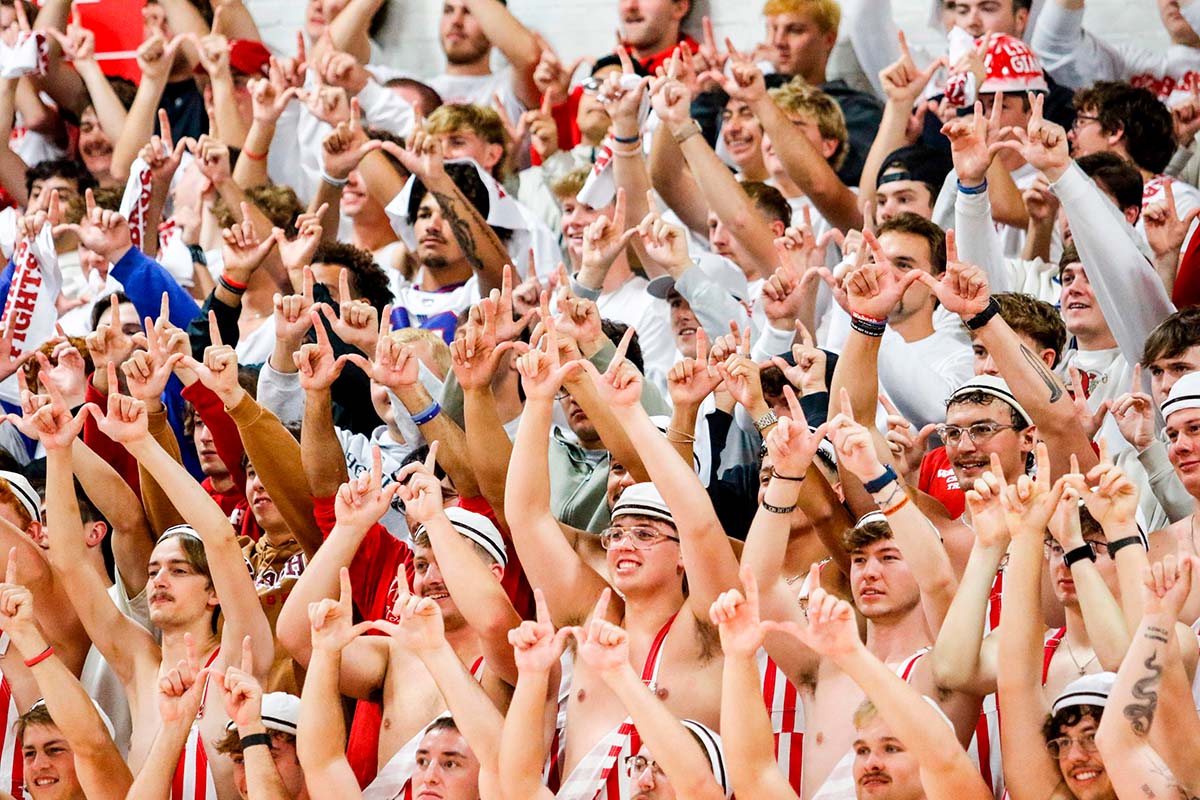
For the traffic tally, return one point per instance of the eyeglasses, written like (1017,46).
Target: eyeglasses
(1053,549)
(1062,745)
(1081,120)
(636,765)
(592,85)
(980,432)
(641,538)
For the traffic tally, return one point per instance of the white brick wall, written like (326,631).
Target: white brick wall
(584,27)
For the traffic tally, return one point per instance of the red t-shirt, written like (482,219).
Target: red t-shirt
(939,482)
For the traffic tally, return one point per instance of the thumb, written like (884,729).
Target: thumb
(924,434)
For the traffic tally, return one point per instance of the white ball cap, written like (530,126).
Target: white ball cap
(1185,393)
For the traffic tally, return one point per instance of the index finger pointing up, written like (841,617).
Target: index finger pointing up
(214,330)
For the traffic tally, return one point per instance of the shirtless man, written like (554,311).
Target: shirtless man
(903,747)
(660,530)
(902,585)
(196,572)
(458,559)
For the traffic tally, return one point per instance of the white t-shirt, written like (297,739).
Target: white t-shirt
(1012,240)
(479,90)
(651,318)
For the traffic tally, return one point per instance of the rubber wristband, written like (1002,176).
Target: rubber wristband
(1115,547)
(256,738)
(1081,553)
(40,657)
(254,156)
(332,181)
(779,509)
(887,512)
(867,328)
(232,283)
(858,315)
(775,474)
(876,484)
(984,317)
(421,417)
(628,139)
(980,189)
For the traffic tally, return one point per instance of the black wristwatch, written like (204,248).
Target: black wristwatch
(197,254)
(1075,555)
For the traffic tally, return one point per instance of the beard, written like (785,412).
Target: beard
(434,263)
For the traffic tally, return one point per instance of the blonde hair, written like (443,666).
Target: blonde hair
(483,122)
(826,14)
(865,712)
(570,184)
(799,98)
(438,349)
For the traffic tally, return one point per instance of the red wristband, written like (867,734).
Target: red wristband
(40,657)
(867,318)
(225,277)
(254,156)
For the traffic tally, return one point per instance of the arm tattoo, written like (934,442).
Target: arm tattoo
(461,227)
(1141,714)
(1157,634)
(1046,375)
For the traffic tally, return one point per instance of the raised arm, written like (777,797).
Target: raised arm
(708,559)
(474,586)
(155,56)
(1031,773)
(962,658)
(745,726)
(101,771)
(523,754)
(549,557)
(516,42)
(604,647)
(947,772)
(243,614)
(1141,756)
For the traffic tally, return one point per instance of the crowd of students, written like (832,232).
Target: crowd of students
(816,417)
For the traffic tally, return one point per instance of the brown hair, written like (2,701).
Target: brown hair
(865,535)
(9,497)
(927,230)
(770,201)
(1035,318)
(1173,336)
(278,203)
(571,183)
(231,743)
(38,715)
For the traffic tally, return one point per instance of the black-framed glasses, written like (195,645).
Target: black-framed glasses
(1081,120)
(642,538)
(980,432)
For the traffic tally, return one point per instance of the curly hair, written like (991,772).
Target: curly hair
(1146,124)
(279,204)
(367,279)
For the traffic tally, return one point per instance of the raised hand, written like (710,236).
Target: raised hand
(1030,502)
(126,420)
(807,373)
(737,617)
(423,156)
(605,239)
(421,490)
(316,363)
(342,70)
(1110,496)
(1134,413)
(987,510)
(692,379)
(102,231)
(269,97)
(552,80)
(243,251)
(664,243)
(180,690)
(297,253)
(620,386)
(908,450)
(347,145)
(1043,143)
(791,443)
(902,82)
(331,620)
(78,43)
(292,317)
(357,321)
(156,55)
(579,319)
(853,442)
(68,372)
(603,646)
(147,371)
(1165,230)
(536,646)
(1064,525)
(745,81)
(541,372)
(395,365)
(361,502)
(831,631)
(1090,420)
(1167,585)
(241,690)
(670,98)
(509,325)
(621,96)
(420,627)
(743,376)
(963,288)
(970,148)
(162,154)
(330,104)
(476,354)
(874,289)
(212,158)
(16,604)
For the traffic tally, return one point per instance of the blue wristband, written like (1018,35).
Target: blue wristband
(980,189)
(627,139)
(421,417)
(875,485)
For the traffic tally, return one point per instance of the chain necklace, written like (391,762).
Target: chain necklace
(1082,669)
